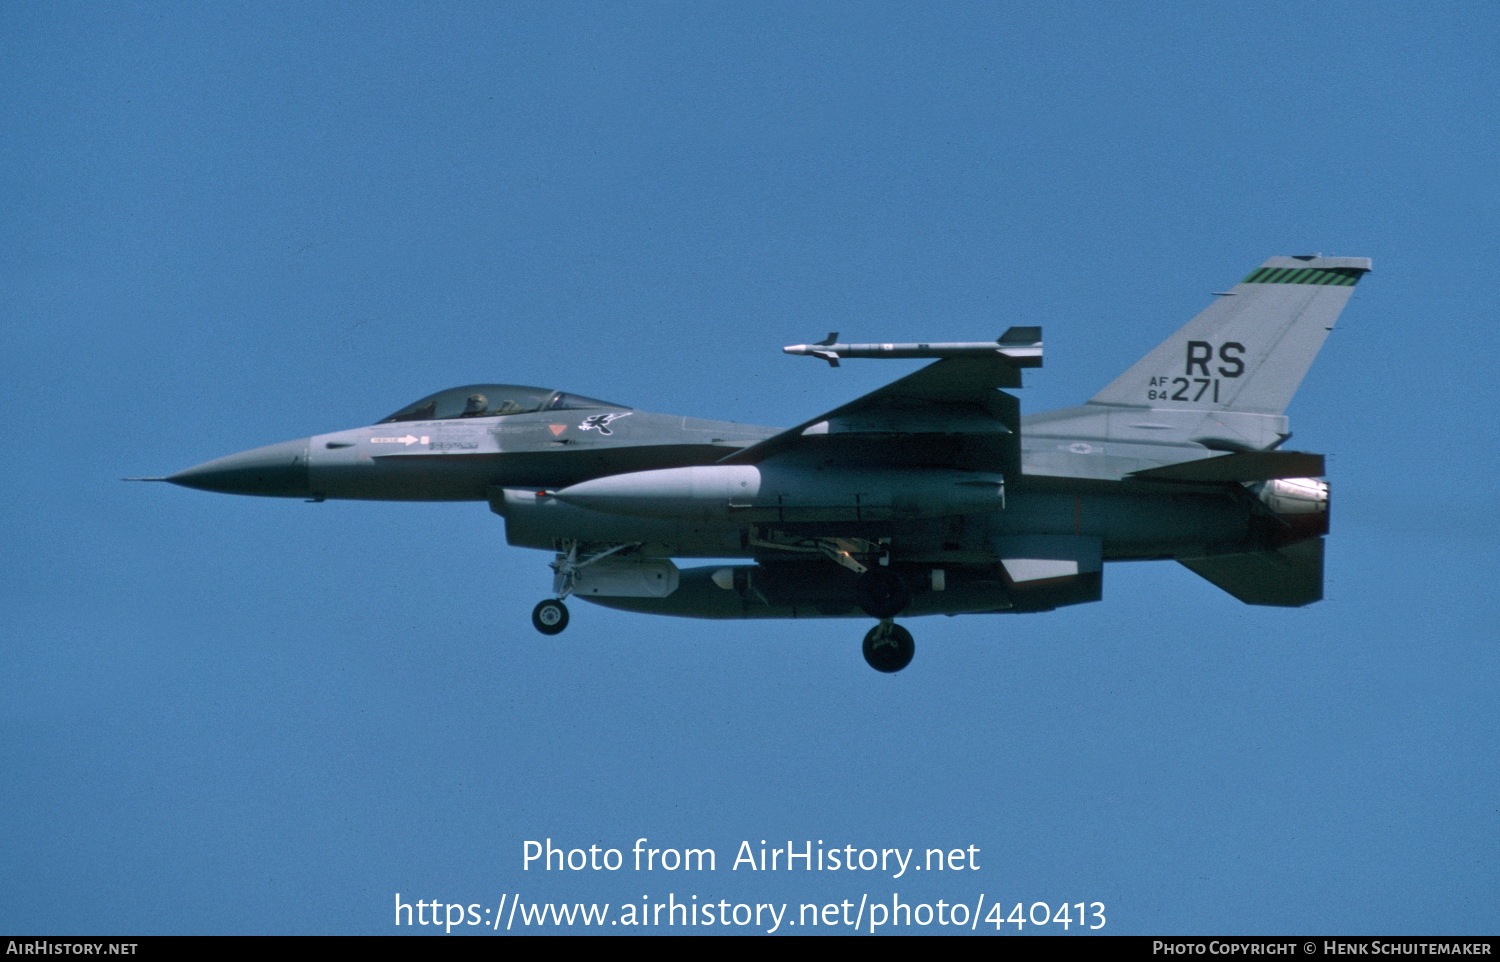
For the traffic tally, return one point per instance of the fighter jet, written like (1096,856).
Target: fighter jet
(932,495)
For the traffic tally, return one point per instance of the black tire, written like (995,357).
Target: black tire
(881,593)
(550,617)
(889,648)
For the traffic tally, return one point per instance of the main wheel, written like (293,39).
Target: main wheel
(882,593)
(889,648)
(550,617)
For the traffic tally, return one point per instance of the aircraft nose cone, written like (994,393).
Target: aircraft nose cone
(276,470)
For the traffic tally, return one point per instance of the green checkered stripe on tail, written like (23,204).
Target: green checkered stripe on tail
(1337,276)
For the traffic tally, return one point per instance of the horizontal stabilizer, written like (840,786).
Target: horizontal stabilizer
(1288,577)
(1239,466)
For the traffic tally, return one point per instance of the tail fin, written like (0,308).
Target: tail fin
(1249,350)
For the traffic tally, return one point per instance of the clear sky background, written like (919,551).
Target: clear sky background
(230,225)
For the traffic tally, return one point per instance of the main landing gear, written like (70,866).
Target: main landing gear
(889,647)
(882,594)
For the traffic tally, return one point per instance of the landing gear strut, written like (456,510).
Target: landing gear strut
(881,593)
(889,647)
(550,617)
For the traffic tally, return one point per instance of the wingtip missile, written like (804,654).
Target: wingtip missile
(1021,346)
(826,351)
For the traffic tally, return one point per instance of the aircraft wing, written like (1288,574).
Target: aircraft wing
(948,414)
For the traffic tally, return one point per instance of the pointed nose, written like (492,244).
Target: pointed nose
(276,470)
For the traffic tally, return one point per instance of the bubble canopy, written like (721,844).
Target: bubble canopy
(493,400)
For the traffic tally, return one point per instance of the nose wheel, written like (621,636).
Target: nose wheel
(550,617)
(889,647)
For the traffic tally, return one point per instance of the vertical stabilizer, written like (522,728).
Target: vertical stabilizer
(1249,350)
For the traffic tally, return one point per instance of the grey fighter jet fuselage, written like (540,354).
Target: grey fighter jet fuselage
(931,495)
(567,440)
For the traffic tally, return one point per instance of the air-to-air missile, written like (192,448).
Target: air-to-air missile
(1021,346)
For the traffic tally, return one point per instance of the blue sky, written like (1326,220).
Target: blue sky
(227,226)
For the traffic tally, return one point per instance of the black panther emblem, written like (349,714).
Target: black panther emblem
(600,422)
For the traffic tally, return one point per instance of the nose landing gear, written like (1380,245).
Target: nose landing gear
(550,617)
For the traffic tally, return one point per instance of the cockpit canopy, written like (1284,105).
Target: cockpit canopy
(492,400)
